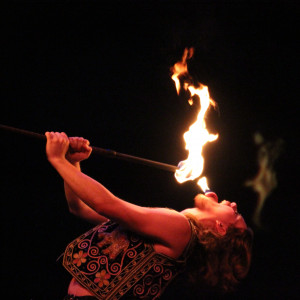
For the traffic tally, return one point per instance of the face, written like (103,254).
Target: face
(221,215)
(232,219)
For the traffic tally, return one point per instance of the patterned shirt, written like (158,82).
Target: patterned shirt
(113,263)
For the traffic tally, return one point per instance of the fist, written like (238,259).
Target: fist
(79,149)
(57,145)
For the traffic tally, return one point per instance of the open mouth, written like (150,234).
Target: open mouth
(212,195)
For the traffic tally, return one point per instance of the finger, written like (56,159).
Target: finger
(78,144)
(64,135)
(54,135)
(81,143)
(60,138)
(48,136)
(87,149)
(73,142)
(86,145)
(51,135)
(57,137)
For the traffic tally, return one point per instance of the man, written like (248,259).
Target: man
(137,251)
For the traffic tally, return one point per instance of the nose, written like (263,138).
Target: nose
(234,206)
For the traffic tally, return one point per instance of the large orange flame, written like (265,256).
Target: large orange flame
(197,135)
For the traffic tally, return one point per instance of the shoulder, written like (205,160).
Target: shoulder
(179,235)
(176,222)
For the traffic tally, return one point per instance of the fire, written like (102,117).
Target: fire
(197,135)
(180,68)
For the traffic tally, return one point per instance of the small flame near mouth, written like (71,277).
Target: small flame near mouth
(197,135)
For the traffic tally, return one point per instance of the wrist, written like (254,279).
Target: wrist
(57,160)
(75,163)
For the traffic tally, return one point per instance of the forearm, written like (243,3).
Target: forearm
(80,187)
(74,202)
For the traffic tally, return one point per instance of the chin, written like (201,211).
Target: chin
(203,202)
(187,211)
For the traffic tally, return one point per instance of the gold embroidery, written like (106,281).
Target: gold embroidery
(116,241)
(118,263)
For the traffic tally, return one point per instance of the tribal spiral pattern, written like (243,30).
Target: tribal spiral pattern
(114,264)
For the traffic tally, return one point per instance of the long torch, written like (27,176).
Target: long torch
(101,151)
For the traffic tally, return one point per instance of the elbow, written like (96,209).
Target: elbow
(74,210)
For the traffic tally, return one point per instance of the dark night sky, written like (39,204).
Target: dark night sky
(103,72)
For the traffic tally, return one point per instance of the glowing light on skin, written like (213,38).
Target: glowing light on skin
(211,194)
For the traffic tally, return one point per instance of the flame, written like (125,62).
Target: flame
(180,68)
(202,182)
(197,135)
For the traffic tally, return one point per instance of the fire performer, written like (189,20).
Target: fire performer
(134,252)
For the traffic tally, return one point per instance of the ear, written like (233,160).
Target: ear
(221,228)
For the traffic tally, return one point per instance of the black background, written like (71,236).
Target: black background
(102,71)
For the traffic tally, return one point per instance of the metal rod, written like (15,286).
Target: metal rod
(101,151)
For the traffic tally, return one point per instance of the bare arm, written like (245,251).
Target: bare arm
(80,151)
(78,208)
(165,226)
